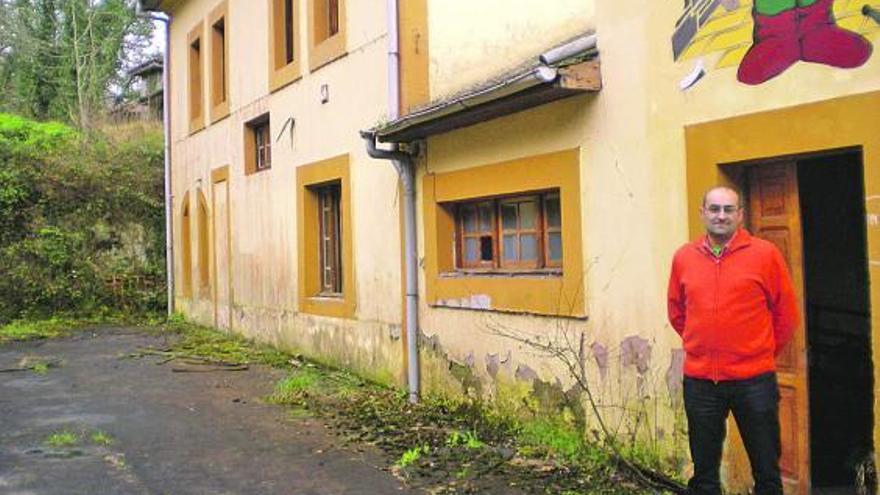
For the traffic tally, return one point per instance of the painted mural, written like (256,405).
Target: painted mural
(763,38)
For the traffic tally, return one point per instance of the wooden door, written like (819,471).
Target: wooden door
(222,249)
(774,214)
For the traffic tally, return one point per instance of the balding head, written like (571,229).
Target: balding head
(734,190)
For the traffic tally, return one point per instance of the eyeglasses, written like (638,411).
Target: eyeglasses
(716,209)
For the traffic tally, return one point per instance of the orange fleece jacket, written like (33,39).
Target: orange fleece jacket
(735,312)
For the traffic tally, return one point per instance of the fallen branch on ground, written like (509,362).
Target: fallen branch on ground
(207,368)
(27,365)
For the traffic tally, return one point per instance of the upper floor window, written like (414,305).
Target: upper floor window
(283,43)
(258,145)
(196,114)
(219,63)
(509,233)
(326,31)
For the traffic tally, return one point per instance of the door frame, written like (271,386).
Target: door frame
(837,124)
(219,175)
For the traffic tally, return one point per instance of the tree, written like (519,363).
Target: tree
(60,59)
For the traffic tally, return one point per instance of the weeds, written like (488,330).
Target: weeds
(291,389)
(20,330)
(64,438)
(41,368)
(101,438)
(444,445)
(206,343)
(468,440)
(412,455)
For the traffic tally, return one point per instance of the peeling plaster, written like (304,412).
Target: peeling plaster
(525,373)
(476,301)
(636,351)
(675,374)
(493,362)
(600,354)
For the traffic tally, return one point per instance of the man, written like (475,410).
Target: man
(731,300)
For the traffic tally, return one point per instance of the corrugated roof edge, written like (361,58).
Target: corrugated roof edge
(532,72)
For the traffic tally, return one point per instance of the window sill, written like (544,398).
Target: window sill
(284,76)
(538,273)
(328,297)
(256,171)
(196,126)
(327,51)
(331,306)
(219,112)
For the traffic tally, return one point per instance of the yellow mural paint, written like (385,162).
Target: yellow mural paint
(733,56)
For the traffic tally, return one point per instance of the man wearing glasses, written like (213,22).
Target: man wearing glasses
(731,300)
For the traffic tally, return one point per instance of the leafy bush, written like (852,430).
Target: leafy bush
(81,220)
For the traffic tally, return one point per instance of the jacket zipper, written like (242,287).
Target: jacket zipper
(713,356)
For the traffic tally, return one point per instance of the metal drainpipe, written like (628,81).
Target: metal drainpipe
(403,162)
(166,125)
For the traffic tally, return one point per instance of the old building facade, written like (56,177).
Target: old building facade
(560,151)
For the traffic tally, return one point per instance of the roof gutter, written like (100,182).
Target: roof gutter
(521,82)
(565,70)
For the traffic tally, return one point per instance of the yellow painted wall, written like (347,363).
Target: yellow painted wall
(469,39)
(636,203)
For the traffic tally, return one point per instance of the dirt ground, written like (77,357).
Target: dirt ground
(139,428)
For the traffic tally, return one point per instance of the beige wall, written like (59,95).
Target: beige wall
(262,205)
(633,166)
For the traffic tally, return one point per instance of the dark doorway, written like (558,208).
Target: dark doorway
(837,316)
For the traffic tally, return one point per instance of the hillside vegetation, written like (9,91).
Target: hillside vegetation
(81,220)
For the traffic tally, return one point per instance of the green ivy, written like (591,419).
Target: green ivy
(81,220)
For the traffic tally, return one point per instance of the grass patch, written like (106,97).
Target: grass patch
(290,390)
(544,437)
(61,326)
(467,439)
(412,455)
(443,445)
(41,368)
(101,438)
(21,330)
(64,438)
(203,342)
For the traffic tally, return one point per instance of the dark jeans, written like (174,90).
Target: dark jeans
(755,406)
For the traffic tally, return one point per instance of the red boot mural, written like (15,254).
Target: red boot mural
(787,31)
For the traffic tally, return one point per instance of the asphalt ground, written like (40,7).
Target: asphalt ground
(169,433)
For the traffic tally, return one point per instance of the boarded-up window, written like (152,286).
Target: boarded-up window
(327,36)
(219,62)
(284,51)
(196,112)
(204,261)
(186,249)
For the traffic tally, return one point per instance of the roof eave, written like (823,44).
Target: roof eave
(567,70)
(537,86)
